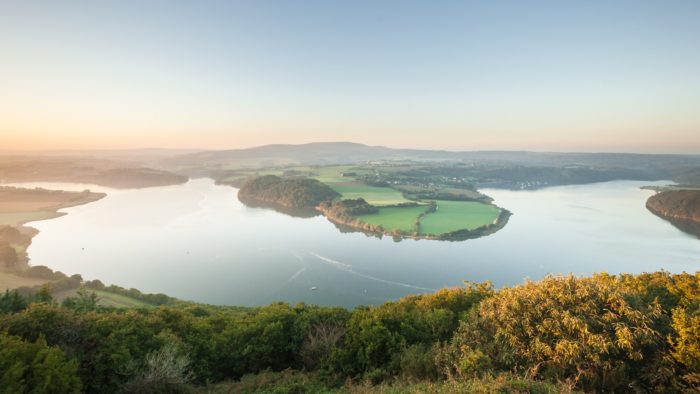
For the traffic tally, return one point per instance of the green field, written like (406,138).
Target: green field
(457,215)
(325,174)
(395,218)
(106,298)
(372,194)
(119,301)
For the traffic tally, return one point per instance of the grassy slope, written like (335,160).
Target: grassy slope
(119,301)
(395,218)
(106,299)
(456,215)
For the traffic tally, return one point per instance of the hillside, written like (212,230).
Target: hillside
(320,153)
(83,170)
(286,192)
(604,333)
(485,169)
(680,207)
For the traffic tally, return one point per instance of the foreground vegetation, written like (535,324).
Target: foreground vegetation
(626,333)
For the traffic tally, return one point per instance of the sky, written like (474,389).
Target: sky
(466,75)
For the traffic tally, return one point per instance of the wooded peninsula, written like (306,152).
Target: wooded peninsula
(422,218)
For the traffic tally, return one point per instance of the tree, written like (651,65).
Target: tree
(84,301)
(8,257)
(35,367)
(12,302)
(44,295)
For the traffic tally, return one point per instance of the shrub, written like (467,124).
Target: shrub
(584,330)
(35,367)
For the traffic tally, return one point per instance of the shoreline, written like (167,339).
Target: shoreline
(676,207)
(454,236)
(19,235)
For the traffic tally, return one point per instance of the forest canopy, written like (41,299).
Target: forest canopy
(286,192)
(563,333)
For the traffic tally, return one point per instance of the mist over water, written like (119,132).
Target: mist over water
(198,242)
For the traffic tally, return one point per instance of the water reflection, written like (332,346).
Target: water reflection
(197,241)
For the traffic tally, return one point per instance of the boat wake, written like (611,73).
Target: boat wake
(348,268)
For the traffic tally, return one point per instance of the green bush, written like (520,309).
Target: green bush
(35,367)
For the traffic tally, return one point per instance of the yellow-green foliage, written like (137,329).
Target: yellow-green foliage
(604,333)
(592,331)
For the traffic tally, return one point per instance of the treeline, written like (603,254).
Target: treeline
(286,192)
(345,213)
(605,333)
(349,208)
(58,282)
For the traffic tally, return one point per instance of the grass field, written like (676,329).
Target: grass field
(395,218)
(326,174)
(372,194)
(457,215)
(106,299)
(119,301)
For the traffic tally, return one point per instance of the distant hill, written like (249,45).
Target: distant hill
(111,173)
(321,153)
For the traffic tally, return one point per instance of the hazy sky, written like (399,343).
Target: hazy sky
(539,75)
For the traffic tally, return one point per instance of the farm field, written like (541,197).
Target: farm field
(395,218)
(326,174)
(456,215)
(332,174)
(372,194)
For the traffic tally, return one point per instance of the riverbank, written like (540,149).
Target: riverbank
(680,207)
(19,206)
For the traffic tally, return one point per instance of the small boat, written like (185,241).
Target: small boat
(313,288)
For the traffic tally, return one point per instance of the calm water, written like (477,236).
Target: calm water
(197,242)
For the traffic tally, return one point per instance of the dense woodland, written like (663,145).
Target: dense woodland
(286,192)
(626,333)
